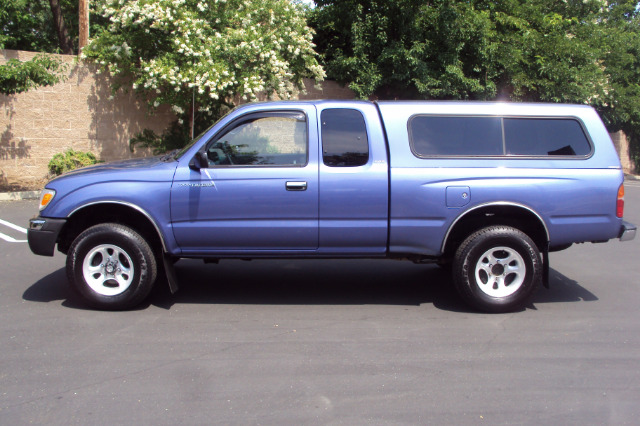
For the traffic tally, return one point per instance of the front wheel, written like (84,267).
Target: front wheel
(497,269)
(111,267)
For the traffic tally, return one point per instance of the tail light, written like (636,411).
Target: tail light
(620,202)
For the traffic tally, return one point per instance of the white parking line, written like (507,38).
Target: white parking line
(11,225)
(11,240)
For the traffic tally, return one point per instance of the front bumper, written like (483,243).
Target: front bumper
(43,234)
(627,231)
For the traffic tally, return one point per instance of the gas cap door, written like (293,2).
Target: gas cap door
(458,196)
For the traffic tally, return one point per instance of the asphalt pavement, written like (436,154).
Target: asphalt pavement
(321,342)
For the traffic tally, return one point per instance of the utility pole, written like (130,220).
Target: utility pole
(83,13)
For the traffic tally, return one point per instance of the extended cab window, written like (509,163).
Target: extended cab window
(262,139)
(433,135)
(497,136)
(344,138)
(540,136)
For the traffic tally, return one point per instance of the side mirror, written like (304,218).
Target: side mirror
(199,161)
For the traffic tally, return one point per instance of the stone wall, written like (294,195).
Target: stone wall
(81,113)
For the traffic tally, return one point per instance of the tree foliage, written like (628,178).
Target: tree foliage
(29,25)
(622,61)
(214,51)
(405,48)
(540,50)
(42,70)
(621,42)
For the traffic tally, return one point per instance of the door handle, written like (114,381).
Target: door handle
(296,186)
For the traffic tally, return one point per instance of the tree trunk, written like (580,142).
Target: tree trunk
(58,21)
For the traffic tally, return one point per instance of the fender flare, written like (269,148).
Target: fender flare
(489,204)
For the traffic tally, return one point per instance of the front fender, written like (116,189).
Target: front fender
(152,199)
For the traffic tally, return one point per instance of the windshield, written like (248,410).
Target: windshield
(181,152)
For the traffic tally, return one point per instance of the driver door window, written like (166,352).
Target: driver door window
(277,139)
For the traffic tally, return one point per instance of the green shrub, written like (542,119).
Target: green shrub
(70,160)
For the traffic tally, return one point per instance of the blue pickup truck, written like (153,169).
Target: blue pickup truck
(486,190)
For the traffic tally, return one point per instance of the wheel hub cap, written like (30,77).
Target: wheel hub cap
(500,272)
(497,269)
(108,270)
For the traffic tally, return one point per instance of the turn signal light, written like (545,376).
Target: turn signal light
(45,198)
(620,202)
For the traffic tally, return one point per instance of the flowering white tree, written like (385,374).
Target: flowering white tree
(216,51)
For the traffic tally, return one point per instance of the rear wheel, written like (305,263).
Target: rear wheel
(111,267)
(497,269)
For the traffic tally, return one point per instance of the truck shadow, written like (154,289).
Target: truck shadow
(308,282)
(51,288)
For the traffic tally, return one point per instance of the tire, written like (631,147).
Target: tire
(497,269)
(111,267)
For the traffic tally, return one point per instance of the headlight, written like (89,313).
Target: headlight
(45,198)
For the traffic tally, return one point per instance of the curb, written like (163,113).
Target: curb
(23,195)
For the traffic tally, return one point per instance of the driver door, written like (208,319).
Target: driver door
(259,191)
